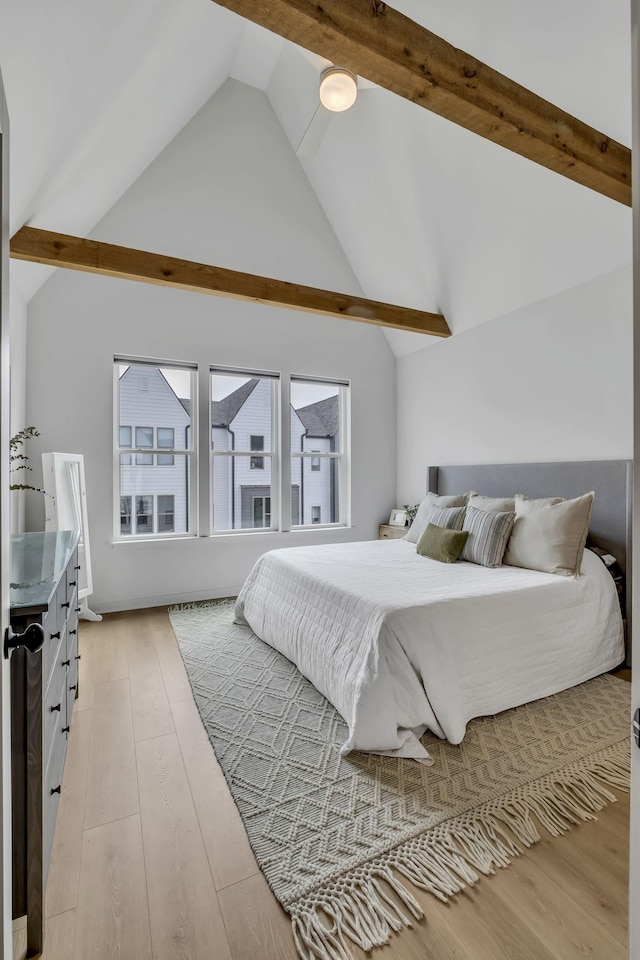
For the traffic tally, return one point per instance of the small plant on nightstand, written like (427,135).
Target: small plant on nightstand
(410,511)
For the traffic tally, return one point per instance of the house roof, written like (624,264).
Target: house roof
(224,411)
(321,419)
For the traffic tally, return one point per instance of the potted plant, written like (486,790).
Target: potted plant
(19,460)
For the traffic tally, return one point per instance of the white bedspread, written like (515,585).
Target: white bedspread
(399,643)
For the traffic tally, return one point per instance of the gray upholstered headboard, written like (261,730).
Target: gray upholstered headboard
(610,479)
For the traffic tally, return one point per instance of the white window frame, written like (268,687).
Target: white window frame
(190,452)
(343,456)
(274,454)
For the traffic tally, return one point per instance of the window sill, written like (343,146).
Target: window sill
(156,538)
(216,535)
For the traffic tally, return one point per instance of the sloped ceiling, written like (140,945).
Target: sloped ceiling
(427,214)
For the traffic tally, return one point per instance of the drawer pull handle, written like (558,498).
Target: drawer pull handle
(77,609)
(67,604)
(55,636)
(55,789)
(72,583)
(77,567)
(78,656)
(55,707)
(66,663)
(72,687)
(66,729)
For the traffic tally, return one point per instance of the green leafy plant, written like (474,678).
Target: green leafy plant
(20,460)
(410,511)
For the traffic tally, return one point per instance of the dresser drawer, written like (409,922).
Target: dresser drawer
(51,794)
(53,718)
(72,578)
(71,688)
(53,636)
(388,532)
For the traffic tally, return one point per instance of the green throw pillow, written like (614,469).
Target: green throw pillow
(438,543)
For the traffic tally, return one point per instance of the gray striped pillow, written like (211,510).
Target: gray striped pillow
(489,532)
(451,518)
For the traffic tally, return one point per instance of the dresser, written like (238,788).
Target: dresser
(44,685)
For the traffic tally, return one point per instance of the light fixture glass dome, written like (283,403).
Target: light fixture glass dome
(338,89)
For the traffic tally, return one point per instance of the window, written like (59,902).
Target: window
(165,442)
(125,513)
(144,438)
(125,441)
(154,460)
(319,465)
(144,514)
(244,453)
(256,443)
(275,459)
(262,511)
(166,513)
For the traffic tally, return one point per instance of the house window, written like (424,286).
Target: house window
(144,438)
(125,514)
(154,460)
(262,511)
(256,443)
(166,513)
(244,409)
(319,460)
(165,442)
(144,514)
(125,441)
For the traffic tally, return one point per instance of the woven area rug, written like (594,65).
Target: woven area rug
(335,837)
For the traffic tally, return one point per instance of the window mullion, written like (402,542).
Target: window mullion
(285,455)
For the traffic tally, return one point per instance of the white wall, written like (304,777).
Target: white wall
(18,328)
(552,381)
(227,190)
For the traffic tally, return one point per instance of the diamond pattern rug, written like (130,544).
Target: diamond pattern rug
(333,836)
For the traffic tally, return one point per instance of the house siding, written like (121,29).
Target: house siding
(147,400)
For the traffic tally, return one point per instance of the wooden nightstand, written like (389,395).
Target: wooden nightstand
(387,532)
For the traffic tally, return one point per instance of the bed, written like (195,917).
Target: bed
(400,644)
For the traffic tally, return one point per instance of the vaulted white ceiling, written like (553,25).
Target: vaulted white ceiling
(427,214)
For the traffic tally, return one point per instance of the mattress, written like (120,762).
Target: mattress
(400,644)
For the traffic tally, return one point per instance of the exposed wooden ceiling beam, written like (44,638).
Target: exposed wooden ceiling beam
(382,45)
(107,259)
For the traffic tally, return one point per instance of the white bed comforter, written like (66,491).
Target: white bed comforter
(400,644)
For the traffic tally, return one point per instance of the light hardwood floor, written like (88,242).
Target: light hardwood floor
(150,858)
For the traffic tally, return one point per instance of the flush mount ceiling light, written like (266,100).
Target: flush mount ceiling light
(338,89)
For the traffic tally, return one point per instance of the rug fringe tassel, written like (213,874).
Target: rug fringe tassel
(361,907)
(200,604)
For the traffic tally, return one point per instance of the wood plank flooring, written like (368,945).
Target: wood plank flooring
(151,862)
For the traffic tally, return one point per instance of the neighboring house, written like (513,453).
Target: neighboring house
(320,483)
(155,487)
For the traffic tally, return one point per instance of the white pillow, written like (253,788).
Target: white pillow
(550,535)
(419,524)
(492,504)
